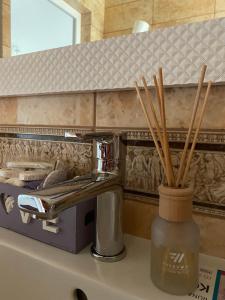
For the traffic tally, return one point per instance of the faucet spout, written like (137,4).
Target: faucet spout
(104,183)
(47,203)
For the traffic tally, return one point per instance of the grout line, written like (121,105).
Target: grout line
(121,4)
(186,18)
(94,111)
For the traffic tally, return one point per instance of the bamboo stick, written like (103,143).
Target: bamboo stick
(165,136)
(158,95)
(148,95)
(196,134)
(151,129)
(187,141)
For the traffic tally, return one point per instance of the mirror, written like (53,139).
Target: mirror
(35,25)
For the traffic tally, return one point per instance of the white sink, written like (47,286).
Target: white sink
(31,270)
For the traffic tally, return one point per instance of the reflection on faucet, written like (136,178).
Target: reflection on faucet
(105,183)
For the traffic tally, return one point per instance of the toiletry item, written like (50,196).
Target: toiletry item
(10,172)
(33,174)
(175,243)
(30,165)
(15,181)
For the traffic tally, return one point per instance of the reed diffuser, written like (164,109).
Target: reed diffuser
(175,237)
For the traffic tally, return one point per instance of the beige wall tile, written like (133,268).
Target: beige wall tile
(109,3)
(119,109)
(123,16)
(71,110)
(138,217)
(6,51)
(122,109)
(117,33)
(183,21)
(6,24)
(220,14)
(220,5)
(96,34)
(86,19)
(165,11)
(8,110)
(85,33)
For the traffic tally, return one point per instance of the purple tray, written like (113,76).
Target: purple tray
(74,230)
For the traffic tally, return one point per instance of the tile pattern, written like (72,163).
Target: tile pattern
(77,157)
(122,108)
(69,110)
(117,62)
(165,10)
(144,173)
(143,170)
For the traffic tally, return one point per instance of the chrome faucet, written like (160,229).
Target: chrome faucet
(104,182)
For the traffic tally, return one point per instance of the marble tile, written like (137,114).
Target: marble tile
(85,33)
(6,51)
(8,110)
(165,10)
(220,14)
(122,109)
(117,33)
(109,3)
(123,16)
(212,234)
(183,21)
(6,24)
(138,217)
(119,109)
(215,110)
(96,34)
(71,110)
(86,19)
(220,6)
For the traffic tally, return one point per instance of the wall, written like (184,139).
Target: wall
(120,110)
(120,15)
(5,42)
(92,18)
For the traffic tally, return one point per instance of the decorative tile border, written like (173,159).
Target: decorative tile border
(77,157)
(143,169)
(115,63)
(175,135)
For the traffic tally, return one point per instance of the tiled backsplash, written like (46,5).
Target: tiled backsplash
(120,110)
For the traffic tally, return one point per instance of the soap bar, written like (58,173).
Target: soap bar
(10,173)
(15,181)
(30,165)
(33,175)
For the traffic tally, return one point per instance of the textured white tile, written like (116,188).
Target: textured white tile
(117,62)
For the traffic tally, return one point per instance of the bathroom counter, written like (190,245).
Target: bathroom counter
(128,279)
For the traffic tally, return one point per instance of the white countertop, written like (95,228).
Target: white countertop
(130,277)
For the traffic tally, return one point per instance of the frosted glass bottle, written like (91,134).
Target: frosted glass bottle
(175,243)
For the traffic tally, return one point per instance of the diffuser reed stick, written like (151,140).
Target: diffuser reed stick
(187,141)
(149,98)
(163,148)
(150,125)
(165,135)
(190,155)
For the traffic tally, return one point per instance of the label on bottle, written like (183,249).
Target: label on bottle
(177,262)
